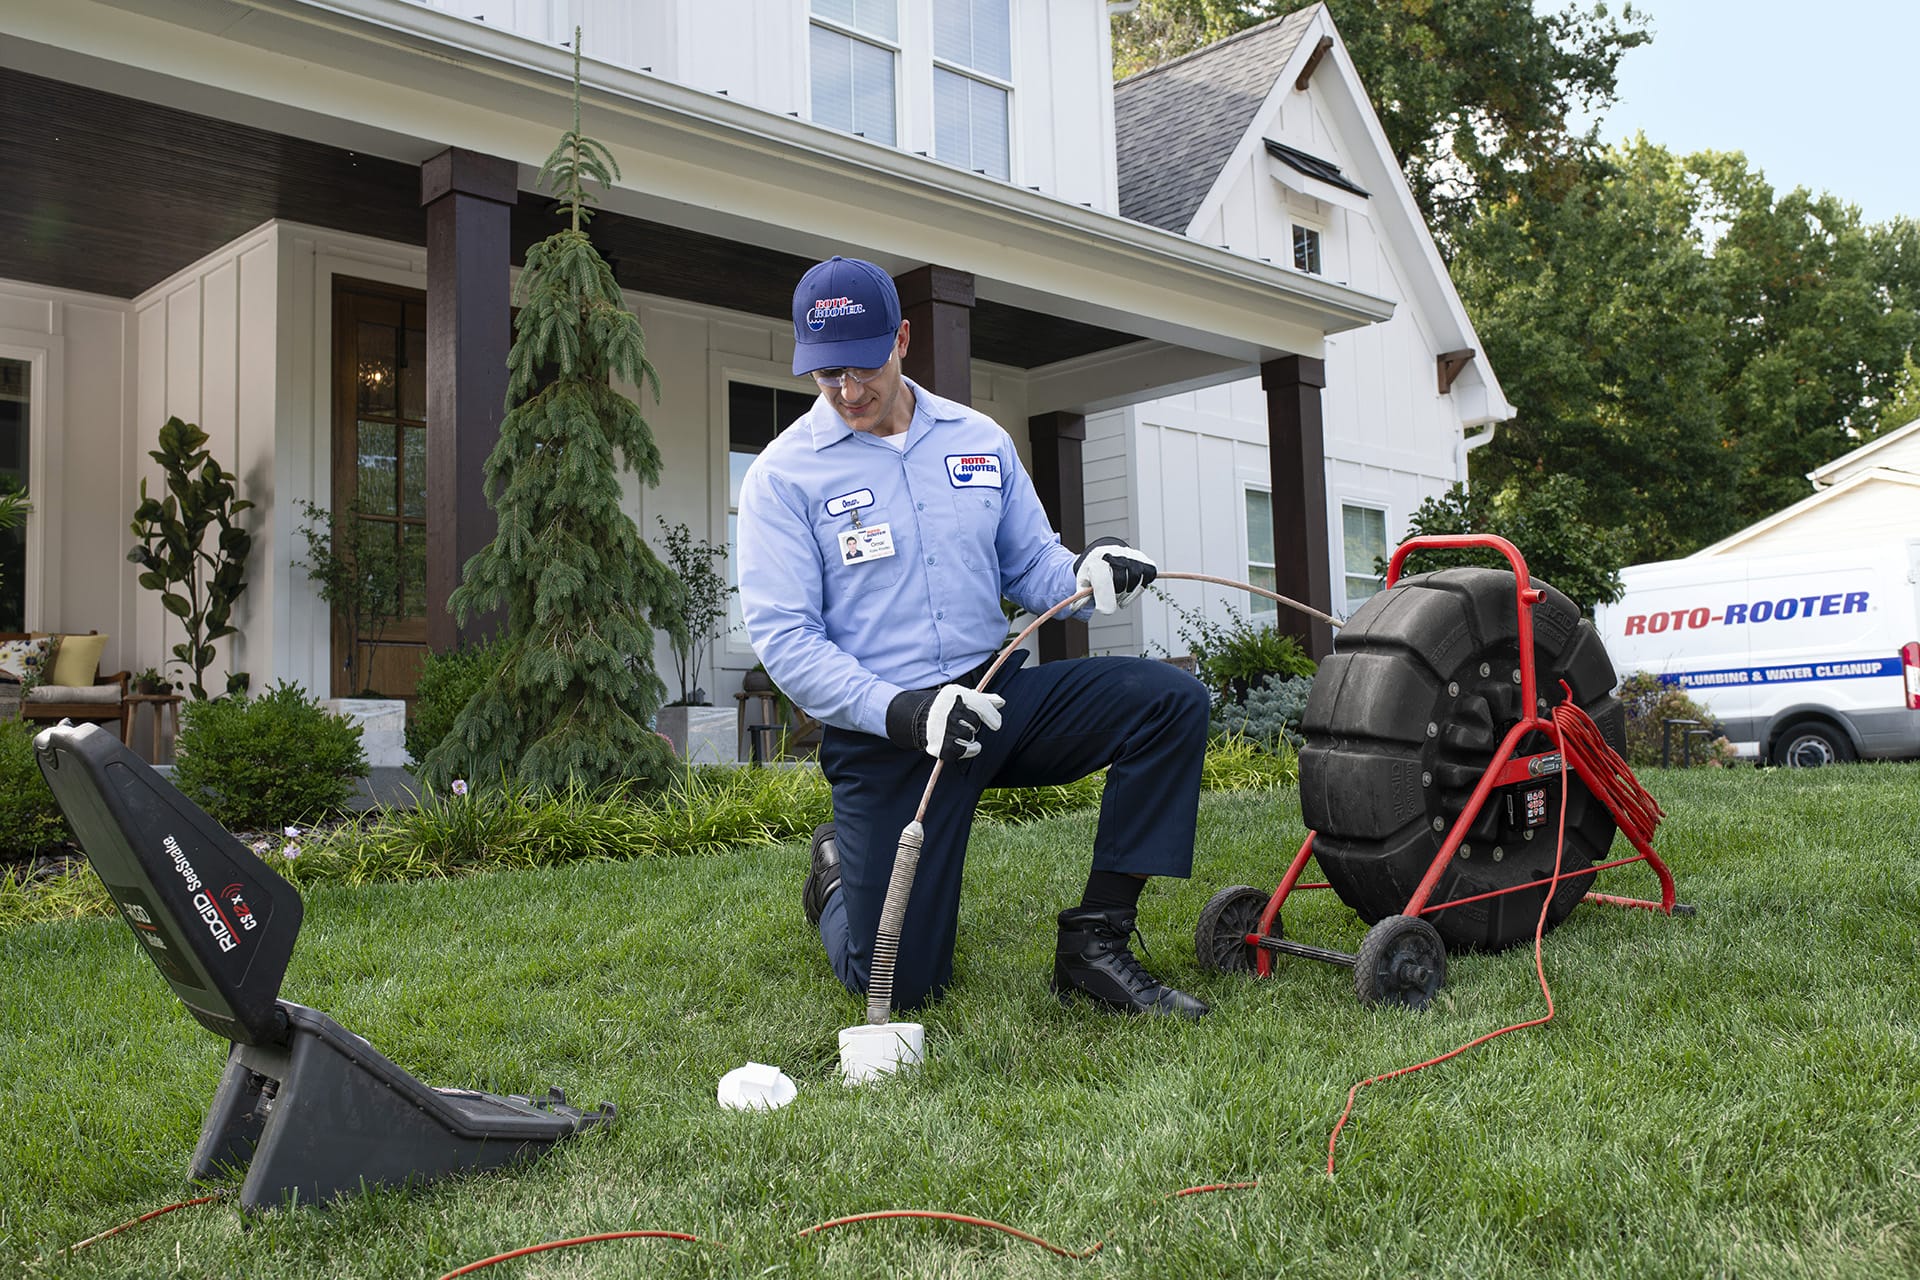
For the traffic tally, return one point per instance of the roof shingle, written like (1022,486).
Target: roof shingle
(1176,124)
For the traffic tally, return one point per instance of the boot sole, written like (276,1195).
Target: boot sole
(1068,995)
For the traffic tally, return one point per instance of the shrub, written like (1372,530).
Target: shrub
(448,682)
(1233,657)
(256,763)
(30,822)
(1270,716)
(1649,703)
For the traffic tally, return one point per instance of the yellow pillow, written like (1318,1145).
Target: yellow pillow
(77,660)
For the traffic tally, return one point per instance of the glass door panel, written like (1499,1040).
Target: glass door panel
(380,479)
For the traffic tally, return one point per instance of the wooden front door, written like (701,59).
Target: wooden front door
(380,475)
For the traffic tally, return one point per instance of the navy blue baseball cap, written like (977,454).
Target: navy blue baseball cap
(845,315)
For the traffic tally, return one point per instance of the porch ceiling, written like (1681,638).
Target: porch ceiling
(113,194)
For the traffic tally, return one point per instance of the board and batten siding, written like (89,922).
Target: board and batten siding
(757,51)
(208,352)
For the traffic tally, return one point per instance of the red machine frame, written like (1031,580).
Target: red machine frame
(1504,769)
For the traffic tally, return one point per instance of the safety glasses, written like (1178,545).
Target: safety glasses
(834,379)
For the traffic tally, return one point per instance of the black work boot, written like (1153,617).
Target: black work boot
(823,877)
(1092,958)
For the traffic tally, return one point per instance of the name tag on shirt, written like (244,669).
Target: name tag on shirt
(837,507)
(870,542)
(973,470)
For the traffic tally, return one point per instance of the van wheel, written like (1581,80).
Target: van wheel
(1809,744)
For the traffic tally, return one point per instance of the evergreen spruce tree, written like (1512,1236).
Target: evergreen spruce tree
(575,689)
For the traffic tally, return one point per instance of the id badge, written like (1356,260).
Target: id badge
(869,542)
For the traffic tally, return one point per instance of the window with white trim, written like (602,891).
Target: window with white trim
(1262,568)
(973,85)
(1306,248)
(1363,541)
(853,47)
(755,415)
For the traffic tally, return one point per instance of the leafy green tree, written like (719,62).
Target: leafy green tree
(1903,406)
(197,584)
(1819,317)
(574,690)
(1603,316)
(1685,342)
(1541,519)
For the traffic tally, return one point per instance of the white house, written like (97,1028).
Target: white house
(1266,143)
(295,222)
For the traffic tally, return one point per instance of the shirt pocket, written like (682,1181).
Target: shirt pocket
(845,580)
(977,512)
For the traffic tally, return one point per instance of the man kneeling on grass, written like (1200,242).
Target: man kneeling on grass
(877,536)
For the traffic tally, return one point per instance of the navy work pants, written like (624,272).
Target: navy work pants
(1147,720)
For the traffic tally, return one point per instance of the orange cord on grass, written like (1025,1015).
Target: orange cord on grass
(1586,749)
(968,1219)
(565,1244)
(1213,1186)
(1539,965)
(145,1217)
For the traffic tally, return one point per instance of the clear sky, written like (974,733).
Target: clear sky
(1820,94)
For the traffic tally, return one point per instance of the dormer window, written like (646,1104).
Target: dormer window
(853,47)
(972,85)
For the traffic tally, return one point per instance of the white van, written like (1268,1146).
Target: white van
(1806,659)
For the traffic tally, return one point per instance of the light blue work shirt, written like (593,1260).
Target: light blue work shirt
(842,638)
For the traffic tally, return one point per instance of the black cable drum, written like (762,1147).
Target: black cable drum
(1403,719)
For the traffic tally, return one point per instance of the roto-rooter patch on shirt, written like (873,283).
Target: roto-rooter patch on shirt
(974,470)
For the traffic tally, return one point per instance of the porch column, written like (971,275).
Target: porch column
(1058,441)
(937,302)
(1297,456)
(469,198)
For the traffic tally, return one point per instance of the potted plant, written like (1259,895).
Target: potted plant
(152,682)
(691,618)
(356,566)
(198,584)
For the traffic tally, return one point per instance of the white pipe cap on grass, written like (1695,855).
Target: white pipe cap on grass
(756,1087)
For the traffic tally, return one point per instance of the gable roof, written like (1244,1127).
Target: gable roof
(1893,443)
(1177,123)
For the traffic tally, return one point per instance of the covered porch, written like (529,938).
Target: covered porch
(195,195)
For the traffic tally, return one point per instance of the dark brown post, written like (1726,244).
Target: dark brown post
(1297,456)
(469,198)
(937,303)
(1059,441)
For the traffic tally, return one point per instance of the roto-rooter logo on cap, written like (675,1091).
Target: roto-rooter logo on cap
(825,309)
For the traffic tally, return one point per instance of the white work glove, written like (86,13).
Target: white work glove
(945,722)
(1116,572)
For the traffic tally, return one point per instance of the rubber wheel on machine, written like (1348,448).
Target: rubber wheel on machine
(1403,719)
(1809,744)
(1401,962)
(1220,939)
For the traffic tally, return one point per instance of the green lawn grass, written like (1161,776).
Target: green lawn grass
(1736,1094)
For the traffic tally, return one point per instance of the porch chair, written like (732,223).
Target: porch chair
(74,687)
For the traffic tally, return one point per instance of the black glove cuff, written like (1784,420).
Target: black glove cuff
(907,718)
